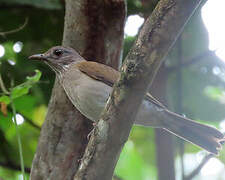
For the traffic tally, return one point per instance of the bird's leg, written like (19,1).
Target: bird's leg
(89,134)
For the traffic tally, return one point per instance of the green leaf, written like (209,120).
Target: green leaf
(35,78)
(5,99)
(20,90)
(23,88)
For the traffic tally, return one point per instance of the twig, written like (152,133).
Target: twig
(15,30)
(200,166)
(4,90)
(18,137)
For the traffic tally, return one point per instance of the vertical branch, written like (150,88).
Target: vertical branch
(165,155)
(163,139)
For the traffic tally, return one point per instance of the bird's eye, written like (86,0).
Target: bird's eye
(58,52)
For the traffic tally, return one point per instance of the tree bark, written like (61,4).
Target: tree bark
(95,29)
(165,155)
(157,36)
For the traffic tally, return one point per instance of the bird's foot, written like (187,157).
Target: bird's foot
(89,134)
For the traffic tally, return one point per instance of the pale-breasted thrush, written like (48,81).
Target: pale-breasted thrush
(88,85)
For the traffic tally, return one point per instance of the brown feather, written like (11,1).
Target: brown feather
(99,72)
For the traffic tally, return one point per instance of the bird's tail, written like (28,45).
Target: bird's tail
(206,137)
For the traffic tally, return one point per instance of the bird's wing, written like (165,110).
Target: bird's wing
(99,72)
(109,76)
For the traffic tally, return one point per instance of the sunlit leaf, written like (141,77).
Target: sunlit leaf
(20,90)
(5,99)
(39,114)
(25,105)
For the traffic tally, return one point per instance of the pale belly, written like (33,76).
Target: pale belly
(92,100)
(88,96)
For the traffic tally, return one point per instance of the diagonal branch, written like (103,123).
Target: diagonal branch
(157,36)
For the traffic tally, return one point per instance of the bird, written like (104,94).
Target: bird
(88,85)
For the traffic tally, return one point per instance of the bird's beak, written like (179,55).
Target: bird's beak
(38,57)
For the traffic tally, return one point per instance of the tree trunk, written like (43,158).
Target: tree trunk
(95,29)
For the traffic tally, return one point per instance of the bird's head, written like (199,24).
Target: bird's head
(58,58)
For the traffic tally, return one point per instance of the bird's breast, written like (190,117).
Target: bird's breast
(88,95)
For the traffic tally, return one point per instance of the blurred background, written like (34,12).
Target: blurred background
(191,82)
